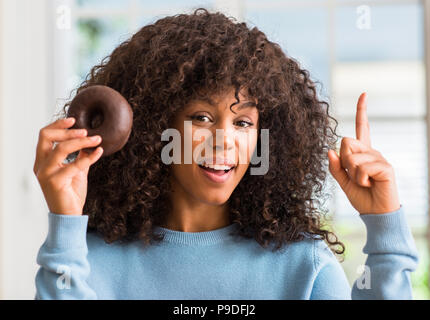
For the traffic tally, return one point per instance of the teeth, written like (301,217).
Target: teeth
(216,166)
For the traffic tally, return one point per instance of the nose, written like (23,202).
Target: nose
(223,139)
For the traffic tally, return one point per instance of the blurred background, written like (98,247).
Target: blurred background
(47,47)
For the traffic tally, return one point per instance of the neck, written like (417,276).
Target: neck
(191,215)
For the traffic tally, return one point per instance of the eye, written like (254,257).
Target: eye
(201,118)
(244,124)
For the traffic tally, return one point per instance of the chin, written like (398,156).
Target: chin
(215,198)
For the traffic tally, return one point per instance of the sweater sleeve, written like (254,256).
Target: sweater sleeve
(392,256)
(62,258)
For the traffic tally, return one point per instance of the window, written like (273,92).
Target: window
(349,47)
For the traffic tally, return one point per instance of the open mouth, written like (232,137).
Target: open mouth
(217,173)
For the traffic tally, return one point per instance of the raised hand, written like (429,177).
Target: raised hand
(365,176)
(64,185)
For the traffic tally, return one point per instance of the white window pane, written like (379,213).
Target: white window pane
(395,33)
(150,12)
(102,3)
(292,29)
(284,3)
(176,5)
(403,144)
(395,88)
(96,39)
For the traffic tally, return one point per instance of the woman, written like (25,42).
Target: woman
(210,228)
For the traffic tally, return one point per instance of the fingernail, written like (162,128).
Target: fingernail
(95,138)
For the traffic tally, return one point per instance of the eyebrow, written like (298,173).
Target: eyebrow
(239,106)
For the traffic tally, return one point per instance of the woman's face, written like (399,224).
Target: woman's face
(215,134)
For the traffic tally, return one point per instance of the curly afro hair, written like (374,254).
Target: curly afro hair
(178,58)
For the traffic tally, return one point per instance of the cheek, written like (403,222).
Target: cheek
(178,170)
(246,144)
(184,175)
(240,172)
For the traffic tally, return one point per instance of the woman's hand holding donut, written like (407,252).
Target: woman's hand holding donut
(64,185)
(362,172)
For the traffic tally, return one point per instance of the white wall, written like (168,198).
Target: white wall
(26,105)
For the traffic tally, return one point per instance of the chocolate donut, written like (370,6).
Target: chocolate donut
(102,111)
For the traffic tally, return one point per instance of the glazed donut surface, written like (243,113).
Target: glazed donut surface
(103,111)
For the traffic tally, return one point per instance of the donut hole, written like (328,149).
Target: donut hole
(95,118)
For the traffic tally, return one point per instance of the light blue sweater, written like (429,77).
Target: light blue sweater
(214,265)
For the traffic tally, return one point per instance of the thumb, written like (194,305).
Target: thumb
(336,169)
(82,154)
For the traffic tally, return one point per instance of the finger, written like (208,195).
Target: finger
(81,164)
(362,130)
(350,162)
(59,135)
(377,171)
(336,170)
(63,149)
(84,153)
(350,145)
(54,132)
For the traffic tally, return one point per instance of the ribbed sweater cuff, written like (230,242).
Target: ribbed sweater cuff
(388,233)
(66,231)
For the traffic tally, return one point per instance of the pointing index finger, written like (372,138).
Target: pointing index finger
(361,122)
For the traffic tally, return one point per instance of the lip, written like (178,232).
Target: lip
(216,178)
(219,161)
